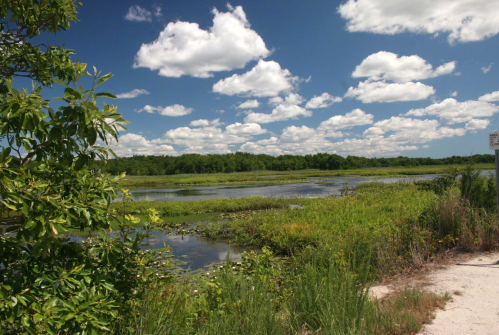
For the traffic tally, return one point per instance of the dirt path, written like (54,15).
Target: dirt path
(474,287)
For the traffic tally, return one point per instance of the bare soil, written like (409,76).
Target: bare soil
(472,280)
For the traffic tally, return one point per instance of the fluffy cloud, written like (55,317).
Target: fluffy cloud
(474,125)
(247,129)
(132,144)
(208,136)
(206,123)
(188,137)
(174,110)
(463,20)
(257,149)
(453,94)
(132,94)
(249,104)
(494,96)
(354,118)
(370,147)
(274,101)
(425,135)
(266,79)
(322,101)
(138,14)
(182,48)
(450,111)
(280,113)
(380,91)
(208,149)
(396,123)
(389,66)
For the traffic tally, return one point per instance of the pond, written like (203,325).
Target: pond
(193,251)
(190,251)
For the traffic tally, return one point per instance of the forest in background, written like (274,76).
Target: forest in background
(245,162)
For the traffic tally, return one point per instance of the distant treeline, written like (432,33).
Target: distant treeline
(244,162)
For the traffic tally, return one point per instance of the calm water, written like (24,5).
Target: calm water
(331,186)
(194,251)
(190,251)
(310,189)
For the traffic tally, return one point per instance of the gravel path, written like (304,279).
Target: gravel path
(474,286)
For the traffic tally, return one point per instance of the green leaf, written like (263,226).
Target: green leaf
(60,82)
(104,78)
(26,322)
(72,92)
(38,318)
(106,95)
(92,136)
(90,106)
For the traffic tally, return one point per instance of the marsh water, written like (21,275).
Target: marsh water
(195,252)
(312,189)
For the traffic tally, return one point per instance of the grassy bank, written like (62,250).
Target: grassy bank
(270,177)
(319,261)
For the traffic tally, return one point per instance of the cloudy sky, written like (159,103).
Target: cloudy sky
(354,77)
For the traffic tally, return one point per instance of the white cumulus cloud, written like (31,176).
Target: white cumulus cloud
(246,129)
(451,111)
(357,117)
(132,94)
(380,91)
(182,48)
(389,66)
(322,101)
(462,20)
(266,79)
(249,104)
(494,96)
(133,144)
(206,123)
(280,113)
(174,110)
(474,125)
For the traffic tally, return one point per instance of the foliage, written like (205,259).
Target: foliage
(20,22)
(51,284)
(246,162)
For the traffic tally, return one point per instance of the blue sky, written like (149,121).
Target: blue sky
(368,77)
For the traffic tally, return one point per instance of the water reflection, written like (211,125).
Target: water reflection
(330,186)
(197,252)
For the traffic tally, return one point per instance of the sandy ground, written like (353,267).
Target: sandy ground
(474,287)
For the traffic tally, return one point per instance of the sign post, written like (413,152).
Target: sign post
(494,145)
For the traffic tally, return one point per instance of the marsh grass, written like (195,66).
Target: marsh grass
(331,251)
(309,294)
(279,177)
(405,311)
(220,205)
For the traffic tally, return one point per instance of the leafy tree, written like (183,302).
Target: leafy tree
(52,284)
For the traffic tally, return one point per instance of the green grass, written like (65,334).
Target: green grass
(281,176)
(317,263)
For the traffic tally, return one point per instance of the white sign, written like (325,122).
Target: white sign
(494,140)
